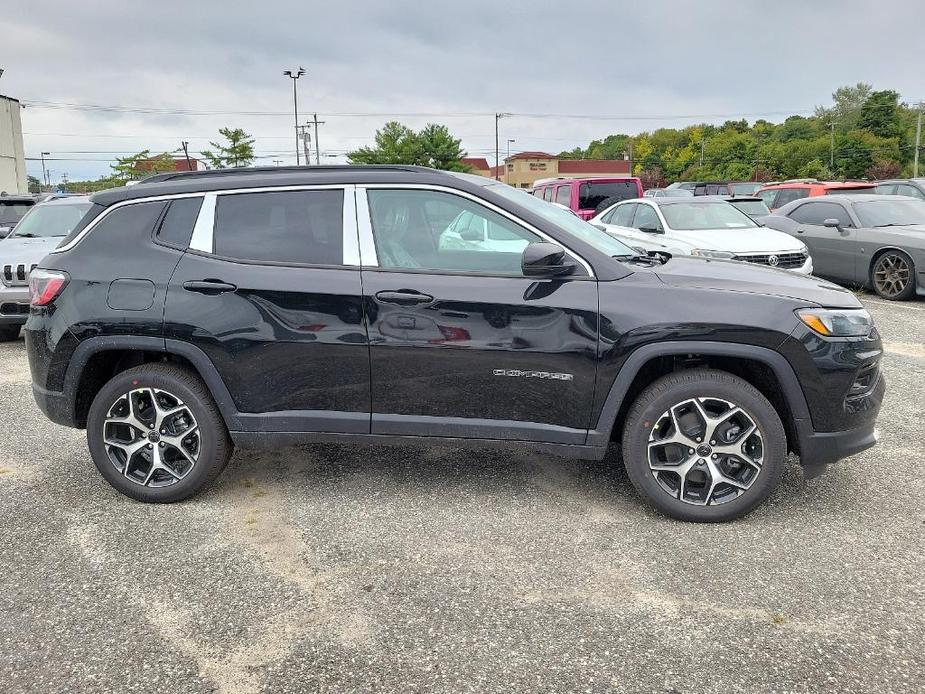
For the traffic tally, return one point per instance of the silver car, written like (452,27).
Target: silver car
(33,237)
(876,241)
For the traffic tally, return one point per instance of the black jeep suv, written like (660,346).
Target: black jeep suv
(263,307)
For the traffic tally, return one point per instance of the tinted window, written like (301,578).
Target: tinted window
(50,220)
(136,220)
(411,231)
(12,212)
(890,212)
(592,194)
(292,227)
(785,195)
(646,218)
(906,189)
(817,212)
(850,191)
(886,188)
(177,226)
(547,194)
(564,195)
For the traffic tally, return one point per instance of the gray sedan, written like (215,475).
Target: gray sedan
(876,241)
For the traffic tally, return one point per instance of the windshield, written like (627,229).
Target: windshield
(566,221)
(51,220)
(689,216)
(590,195)
(753,208)
(878,213)
(12,212)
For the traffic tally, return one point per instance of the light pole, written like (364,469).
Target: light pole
(498,117)
(294,75)
(44,173)
(507,157)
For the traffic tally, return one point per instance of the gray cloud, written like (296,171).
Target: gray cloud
(637,59)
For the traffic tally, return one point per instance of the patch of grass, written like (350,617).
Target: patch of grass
(779,618)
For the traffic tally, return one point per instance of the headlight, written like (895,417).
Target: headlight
(837,322)
(716,255)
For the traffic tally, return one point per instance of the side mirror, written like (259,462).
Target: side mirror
(832,223)
(471,235)
(650,230)
(545,260)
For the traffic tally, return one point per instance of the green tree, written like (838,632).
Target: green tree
(33,184)
(880,114)
(237,150)
(396,143)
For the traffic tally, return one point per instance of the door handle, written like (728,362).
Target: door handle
(404,297)
(208,286)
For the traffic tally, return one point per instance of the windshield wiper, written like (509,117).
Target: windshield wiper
(639,258)
(893,224)
(27,235)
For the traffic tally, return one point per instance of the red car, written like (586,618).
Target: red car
(777,195)
(588,196)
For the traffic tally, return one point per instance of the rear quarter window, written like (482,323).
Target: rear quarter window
(176,227)
(785,195)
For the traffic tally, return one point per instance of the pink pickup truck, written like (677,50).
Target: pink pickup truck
(585,195)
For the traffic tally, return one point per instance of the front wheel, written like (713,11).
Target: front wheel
(893,276)
(156,435)
(703,445)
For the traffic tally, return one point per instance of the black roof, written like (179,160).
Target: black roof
(258,177)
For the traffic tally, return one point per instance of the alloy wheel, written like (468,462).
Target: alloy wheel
(705,451)
(892,275)
(151,437)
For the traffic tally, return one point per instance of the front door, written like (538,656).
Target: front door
(833,250)
(269,294)
(461,343)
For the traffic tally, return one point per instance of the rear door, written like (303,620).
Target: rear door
(461,343)
(834,251)
(270,292)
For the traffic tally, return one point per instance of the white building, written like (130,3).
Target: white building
(12,158)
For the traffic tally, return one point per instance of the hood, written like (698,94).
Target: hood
(739,241)
(25,250)
(735,276)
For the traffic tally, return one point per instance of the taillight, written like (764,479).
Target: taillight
(45,285)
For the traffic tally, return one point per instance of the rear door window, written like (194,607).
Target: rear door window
(785,195)
(297,227)
(564,195)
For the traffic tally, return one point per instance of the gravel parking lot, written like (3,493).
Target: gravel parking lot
(382,569)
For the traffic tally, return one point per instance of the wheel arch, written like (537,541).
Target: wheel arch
(98,359)
(764,368)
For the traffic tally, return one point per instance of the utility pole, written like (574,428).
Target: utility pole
(918,142)
(498,117)
(277,161)
(832,148)
(45,173)
(306,137)
(64,181)
(317,149)
(630,141)
(294,75)
(185,146)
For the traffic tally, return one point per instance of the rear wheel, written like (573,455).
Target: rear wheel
(893,276)
(156,434)
(703,445)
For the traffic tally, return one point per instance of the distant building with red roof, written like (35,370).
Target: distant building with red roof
(523,169)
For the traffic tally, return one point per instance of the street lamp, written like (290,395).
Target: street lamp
(295,75)
(44,173)
(498,117)
(507,157)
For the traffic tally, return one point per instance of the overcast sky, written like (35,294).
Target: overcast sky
(652,64)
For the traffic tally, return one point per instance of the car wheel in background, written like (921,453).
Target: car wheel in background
(703,445)
(893,276)
(156,434)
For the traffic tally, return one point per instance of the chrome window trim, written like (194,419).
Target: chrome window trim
(368,255)
(366,232)
(119,205)
(201,240)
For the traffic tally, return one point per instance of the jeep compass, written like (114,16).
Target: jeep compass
(196,312)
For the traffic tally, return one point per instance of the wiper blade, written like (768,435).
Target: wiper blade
(27,235)
(892,224)
(645,259)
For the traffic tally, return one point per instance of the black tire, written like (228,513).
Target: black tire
(880,273)
(607,203)
(213,447)
(8,333)
(648,413)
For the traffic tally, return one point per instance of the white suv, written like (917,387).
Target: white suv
(705,227)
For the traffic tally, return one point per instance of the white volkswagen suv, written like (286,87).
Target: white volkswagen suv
(705,227)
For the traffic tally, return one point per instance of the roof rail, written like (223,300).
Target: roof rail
(802,180)
(244,171)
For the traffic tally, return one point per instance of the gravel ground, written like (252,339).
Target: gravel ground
(328,569)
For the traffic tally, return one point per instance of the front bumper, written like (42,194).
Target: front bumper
(14,305)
